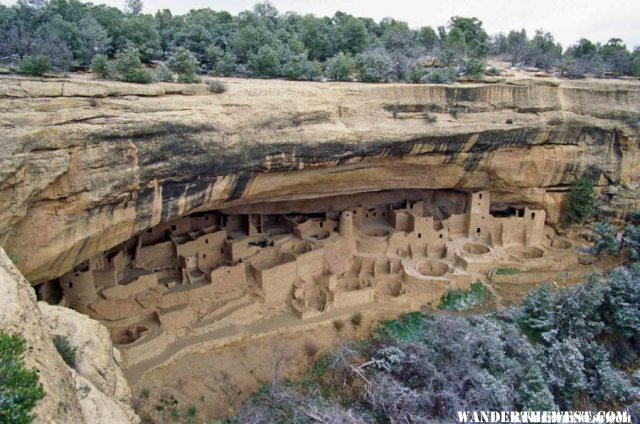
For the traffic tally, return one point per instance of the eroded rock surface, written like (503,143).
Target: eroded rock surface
(69,396)
(85,165)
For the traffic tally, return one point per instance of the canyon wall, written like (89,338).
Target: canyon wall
(85,165)
(94,391)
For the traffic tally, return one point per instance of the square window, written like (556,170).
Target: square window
(478,230)
(419,235)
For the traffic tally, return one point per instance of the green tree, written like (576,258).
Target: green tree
(340,67)
(543,51)
(351,34)
(374,66)
(133,7)
(536,313)
(428,38)
(517,45)
(317,36)
(185,64)
(36,66)
(604,238)
(226,65)
(163,74)
(474,37)
(580,201)
(585,48)
(130,68)
(100,66)
(631,239)
(266,62)
(140,31)
(616,57)
(396,35)
(19,387)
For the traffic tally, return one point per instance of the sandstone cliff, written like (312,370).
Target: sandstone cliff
(84,165)
(94,393)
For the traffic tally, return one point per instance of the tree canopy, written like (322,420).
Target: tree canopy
(265,43)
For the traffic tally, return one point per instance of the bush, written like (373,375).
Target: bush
(374,66)
(580,201)
(216,87)
(340,67)
(338,324)
(130,68)
(604,239)
(461,301)
(440,76)
(65,349)
(356,319)
(19,387)
(140,76)
(185,64)
(163,74)
(100,66)
(474,67)
(36,66)
(430,118)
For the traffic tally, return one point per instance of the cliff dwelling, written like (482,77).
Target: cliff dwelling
(410,248)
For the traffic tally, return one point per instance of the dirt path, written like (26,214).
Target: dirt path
(283,323)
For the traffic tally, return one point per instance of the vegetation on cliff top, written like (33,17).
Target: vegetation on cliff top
(265,43)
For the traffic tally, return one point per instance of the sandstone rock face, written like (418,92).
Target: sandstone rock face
(97,360)
(70,397)
(84,165)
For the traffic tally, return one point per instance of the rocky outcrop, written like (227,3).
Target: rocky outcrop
(94,393)
(97,361)
(85,165)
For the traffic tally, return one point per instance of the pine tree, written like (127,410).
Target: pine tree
(580,201)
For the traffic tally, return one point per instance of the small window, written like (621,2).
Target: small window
(383,213)
(419,235)
(354,212)
(366,215)
(480,196)
(533,215)
(206,218)
(221,250)
(321,224)
(440,235)
(204,256)
(173,228)
(478,230)
(206,241)
(149,230)
(70,285)
(374,214)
